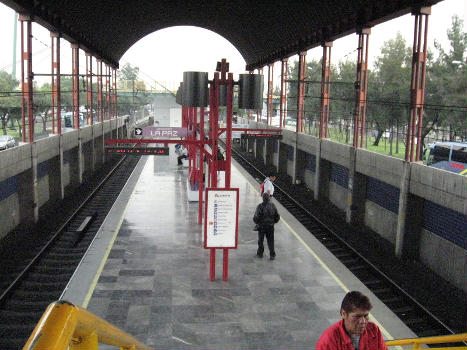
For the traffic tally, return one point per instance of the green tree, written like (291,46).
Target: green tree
(42,104)
(127,76)
(391,88)
(446,86)
(312,107)
(343,97)
(10,101)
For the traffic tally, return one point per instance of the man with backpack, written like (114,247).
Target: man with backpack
(267,186)
(265,217)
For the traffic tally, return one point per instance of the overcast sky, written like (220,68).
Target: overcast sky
(164,55)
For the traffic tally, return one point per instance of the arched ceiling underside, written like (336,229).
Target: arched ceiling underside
(262,31)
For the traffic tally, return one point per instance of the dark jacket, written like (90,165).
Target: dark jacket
(266,214)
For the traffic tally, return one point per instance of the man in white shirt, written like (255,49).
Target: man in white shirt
(268,186)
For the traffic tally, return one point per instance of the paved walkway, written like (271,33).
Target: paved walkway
(155,283)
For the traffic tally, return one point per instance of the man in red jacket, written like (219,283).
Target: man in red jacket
(353,331)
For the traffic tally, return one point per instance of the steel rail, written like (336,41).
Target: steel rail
(57,233)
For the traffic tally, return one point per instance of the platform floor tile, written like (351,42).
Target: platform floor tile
(155,283)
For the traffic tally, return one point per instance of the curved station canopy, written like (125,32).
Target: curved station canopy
(262,31)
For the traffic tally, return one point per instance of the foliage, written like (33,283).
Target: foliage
(10,103)
(446,85)
(390,86)
(388,94)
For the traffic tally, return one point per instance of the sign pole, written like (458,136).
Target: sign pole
(201,165)
(225,266)
(212,267)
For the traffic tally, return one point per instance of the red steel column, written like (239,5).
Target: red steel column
(259,112)
(100,114)
(325,90)
(301,90)
(283,105)
(270,92)
(250,112)
(201,166)
(228,138)
(89,112)
(361,87)
(107,90)
(214,118)
(26,78)
(417,85)
(56,103)
(75,84)
(114,97)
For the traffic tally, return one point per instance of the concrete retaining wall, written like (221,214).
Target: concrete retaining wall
(444,258)
(337,195)
(381,220)
(34,177)
(439,186)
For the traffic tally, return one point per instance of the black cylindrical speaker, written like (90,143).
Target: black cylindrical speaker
(195,89)
(179,95)
(250,91)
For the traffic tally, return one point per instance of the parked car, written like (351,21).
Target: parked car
(6,141)
(450,156)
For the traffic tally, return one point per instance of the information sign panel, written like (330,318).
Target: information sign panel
(221,218)
(261,136)
(139,151)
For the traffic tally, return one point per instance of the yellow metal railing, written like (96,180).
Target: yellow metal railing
(416,343)
(66,326)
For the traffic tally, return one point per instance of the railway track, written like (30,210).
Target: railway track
(35,272)
(295,198)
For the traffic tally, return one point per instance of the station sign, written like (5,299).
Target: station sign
(261,136)
(221,218)
(153,132)
(138,151)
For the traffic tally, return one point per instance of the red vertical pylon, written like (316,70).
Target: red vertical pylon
(228,138)
(301,91)
(325,89)
(417,85)
(26,78)
(107,91)
(270,92)
(100,114)
(283,102)
(259,112)
(361,87)
(250,112)
(89,106)
(75,84)
(114,97)
(55,83)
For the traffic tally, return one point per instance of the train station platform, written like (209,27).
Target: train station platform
(147,273)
